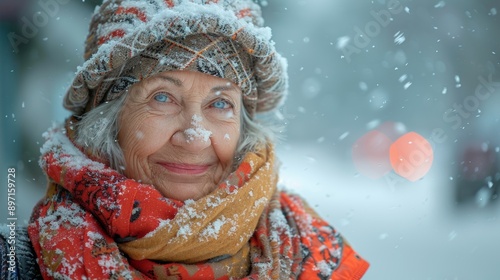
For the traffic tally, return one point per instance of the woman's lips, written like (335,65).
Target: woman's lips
(181,168)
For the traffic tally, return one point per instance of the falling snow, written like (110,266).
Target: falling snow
(440,4)
(344,135)
(408,51)
(342,42)
(399,38)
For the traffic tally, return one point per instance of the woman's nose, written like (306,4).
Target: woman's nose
(192,135)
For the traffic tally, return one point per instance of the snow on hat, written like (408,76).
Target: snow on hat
(130,40)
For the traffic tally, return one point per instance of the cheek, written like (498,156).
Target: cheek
(141,136)
(225,139)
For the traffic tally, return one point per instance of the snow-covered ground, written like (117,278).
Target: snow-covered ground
(405,230)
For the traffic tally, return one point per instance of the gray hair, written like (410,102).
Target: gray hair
(97,132)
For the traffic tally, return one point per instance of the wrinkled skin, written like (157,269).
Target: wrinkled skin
(179,131)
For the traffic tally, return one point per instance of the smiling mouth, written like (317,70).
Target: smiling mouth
(188,169)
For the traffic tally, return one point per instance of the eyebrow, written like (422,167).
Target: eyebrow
(173,80)
(229,87)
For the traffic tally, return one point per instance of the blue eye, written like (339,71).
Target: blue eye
(221,104)
(161,97)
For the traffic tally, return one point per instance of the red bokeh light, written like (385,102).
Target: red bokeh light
(411,156)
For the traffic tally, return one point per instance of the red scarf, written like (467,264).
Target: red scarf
(92,216)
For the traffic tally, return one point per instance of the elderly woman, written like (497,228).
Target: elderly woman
(164,170)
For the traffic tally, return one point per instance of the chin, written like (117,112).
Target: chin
(183,192)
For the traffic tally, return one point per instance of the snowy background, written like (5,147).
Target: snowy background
(419,68)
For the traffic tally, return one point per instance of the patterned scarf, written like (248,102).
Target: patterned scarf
(96,223)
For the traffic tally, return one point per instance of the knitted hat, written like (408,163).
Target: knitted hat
(131,40)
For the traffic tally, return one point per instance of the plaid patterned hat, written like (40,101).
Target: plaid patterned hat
(131,40)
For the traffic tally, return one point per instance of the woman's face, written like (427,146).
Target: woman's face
(179,131)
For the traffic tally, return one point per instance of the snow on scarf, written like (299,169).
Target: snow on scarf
(95,223)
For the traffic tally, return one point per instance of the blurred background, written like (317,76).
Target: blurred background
(355,67)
